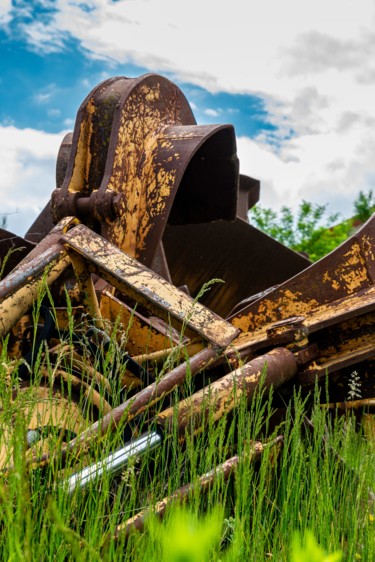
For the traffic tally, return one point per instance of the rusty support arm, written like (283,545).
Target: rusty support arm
(183,494)
(44,263)
(272,369)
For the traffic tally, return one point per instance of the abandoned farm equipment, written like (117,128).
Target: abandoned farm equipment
(148,207)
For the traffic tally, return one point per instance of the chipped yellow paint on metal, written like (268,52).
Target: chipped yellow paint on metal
(145,286)
(87,289)
(146,185)
(315,318)
(47,406)
(140,336)
(269,311)
(221,396)
(368,245)
(351,274)
(333,282)
(83,156)
(17,304)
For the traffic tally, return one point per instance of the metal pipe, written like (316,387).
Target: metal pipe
(280,366)
(220,397)
(186,492)
(20,300)
(114,462)
(20,289)
(22,275)
(134,406)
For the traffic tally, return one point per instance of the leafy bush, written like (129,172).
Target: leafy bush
(311,230)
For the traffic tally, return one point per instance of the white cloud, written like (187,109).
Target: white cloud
(68,122)
(42,97)
(311,62)
(54,112)
(322,168)
(212,112)
(27,174)
(5,8)
(43,37)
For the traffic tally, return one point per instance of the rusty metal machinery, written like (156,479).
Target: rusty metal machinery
(148,207)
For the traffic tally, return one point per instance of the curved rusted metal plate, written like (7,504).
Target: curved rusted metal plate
(13,249)
(342,274)
(246,259)
(135,145)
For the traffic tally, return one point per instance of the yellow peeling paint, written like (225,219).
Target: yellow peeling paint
(269,311)
(351,275)
(145,184)
(368,245)
(83,155)
(141,337)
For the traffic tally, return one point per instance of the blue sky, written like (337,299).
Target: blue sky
(298,90)
(35,95)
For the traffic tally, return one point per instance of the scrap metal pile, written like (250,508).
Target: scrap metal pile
(149,206)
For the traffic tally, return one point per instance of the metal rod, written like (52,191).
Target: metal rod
(19,302)
(22,274)
(280,366)
(134,406)
(186,492)
(114,462)
(220,397)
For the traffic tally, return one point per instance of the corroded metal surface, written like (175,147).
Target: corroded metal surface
(246,259)
(164,211)
(142,336)
(134,142)
(141,402)
(43,265)
(272,369)
(19,302)
(143,285)
(69,406)
(340,275)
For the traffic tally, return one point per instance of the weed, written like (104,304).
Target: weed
(299,487)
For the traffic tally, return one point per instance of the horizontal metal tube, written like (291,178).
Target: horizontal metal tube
(115,462)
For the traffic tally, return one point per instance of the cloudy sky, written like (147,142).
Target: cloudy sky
(295,77)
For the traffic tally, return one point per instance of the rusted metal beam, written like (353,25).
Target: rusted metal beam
(144,286)
(43,264)
(132,407)
(273,369)
(185,493)
(220,397)
(338,277)
(27,283)
(246,259)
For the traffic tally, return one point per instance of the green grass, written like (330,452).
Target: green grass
(298,502)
